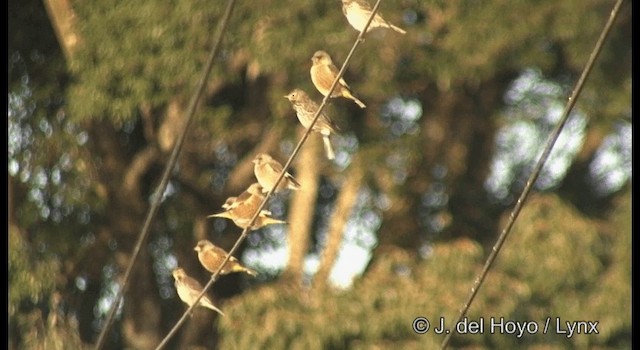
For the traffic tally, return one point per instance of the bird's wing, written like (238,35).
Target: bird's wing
(334,73)
(192,283)
(248,207)
(219,251)
(242,197)
(364,6)
(274,166)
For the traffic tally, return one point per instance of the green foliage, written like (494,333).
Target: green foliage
(611,301)
(54,334)
(554,264)
(552,237)
(32,284)
(31,276)
(146,54)
(135,53)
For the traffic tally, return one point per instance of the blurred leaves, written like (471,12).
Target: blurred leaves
(555,264)
(34,314)
(31,276)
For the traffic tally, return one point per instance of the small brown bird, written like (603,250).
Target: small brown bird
(211,257)
(262,220)
(188,290)
(324,72)
(358,13)
(267,171)
(242,208)
(305,109)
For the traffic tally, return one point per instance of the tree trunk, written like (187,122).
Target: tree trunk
(303,204)
(344,204)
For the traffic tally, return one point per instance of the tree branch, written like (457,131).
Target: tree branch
(139,166)
(63,20)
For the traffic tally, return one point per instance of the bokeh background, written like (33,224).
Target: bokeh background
(397,226)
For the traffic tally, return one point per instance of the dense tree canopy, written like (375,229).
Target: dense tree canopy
(397,226)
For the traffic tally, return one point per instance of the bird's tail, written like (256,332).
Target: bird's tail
(249,271)
(208,304)
(224,214)
(266,220)
(347,94)
(328,149)
(293,183)
(397,29)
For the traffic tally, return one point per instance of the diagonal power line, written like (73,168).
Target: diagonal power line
(285,168)
(157,196)
(538,168)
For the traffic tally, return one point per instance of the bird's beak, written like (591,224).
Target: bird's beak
(197,249)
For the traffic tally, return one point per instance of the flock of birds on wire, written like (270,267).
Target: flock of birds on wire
(242,208)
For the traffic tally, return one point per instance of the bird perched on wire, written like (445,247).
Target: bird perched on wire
(358,13)
(212,256)
(305,109)
(324,72)
(242,208)
(188,290)
(267,171)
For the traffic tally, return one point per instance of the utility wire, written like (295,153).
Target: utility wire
(538,168)
(157,196)
(285,168)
